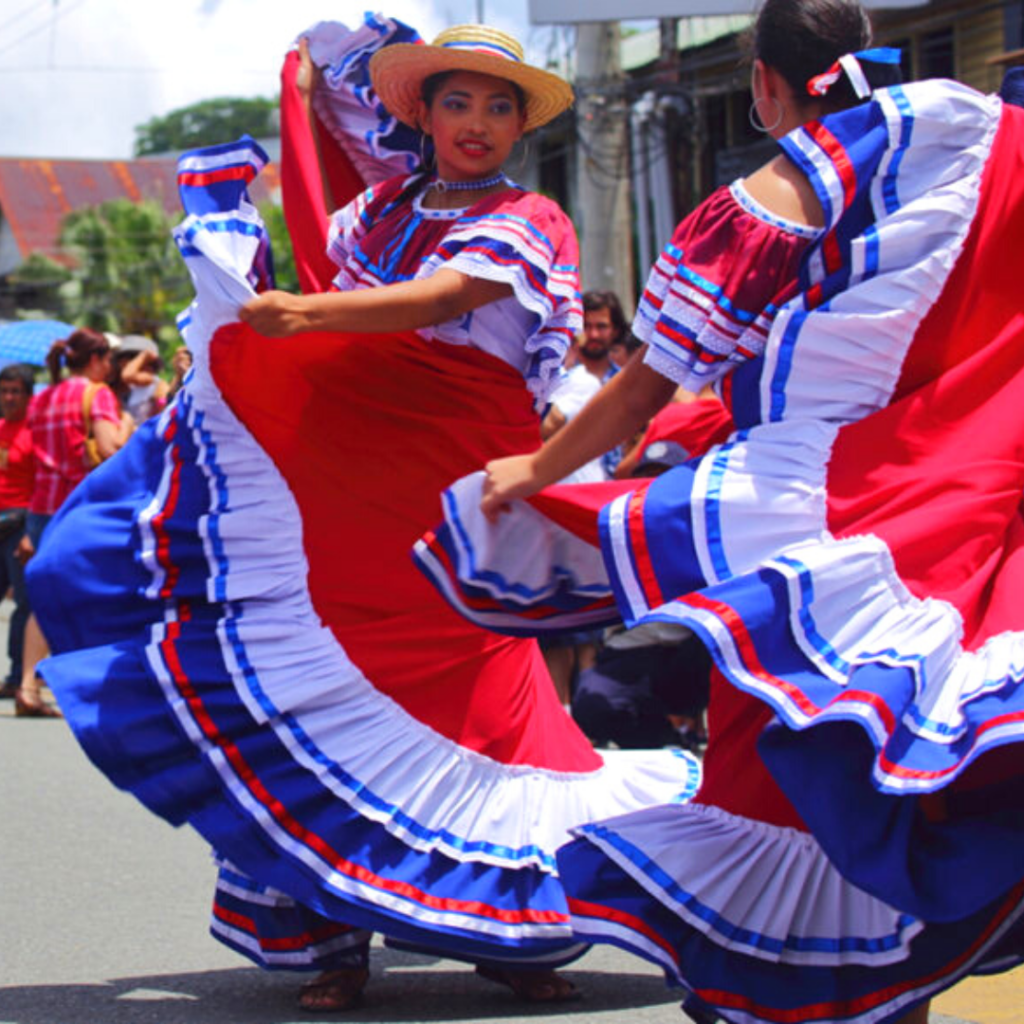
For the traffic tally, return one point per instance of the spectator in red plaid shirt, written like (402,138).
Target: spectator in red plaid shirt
(17,475)
(57,420)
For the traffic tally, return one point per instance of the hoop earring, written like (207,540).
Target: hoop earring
(427,165)
(758,123)
(524,156)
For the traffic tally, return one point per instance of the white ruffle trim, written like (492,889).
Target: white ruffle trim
(524,558)
(756,889)
(292,674)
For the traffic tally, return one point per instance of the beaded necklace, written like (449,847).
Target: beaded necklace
(440,185)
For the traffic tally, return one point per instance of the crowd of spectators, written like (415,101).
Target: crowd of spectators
(100,388)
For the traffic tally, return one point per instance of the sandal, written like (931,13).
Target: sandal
(533,986)
(28,709)
(334,991)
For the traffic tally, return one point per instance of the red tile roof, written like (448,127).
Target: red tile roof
(36,195)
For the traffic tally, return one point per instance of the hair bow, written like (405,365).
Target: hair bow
(850,64)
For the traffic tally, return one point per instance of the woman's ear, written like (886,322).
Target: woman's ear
(423,118)
(775,87)
(762,81)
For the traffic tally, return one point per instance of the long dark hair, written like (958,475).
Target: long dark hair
(75,351)
(802,38)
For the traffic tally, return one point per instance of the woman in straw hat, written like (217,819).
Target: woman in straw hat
(473,97)
(268,664)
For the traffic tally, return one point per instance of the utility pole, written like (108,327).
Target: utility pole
(53,31)
(602,208)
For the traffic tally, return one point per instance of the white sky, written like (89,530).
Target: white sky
(77,76)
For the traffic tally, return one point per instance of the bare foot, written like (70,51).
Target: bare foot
(334,990)
(533,986)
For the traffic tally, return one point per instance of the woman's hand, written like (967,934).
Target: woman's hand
(181,363)
(25,549)
(308,73)
(508,479)
(140,370)
(276,314)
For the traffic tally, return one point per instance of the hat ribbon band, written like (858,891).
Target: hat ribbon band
(482,47)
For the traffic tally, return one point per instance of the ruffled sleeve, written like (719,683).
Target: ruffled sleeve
(348,227)
(716,287)
(346,104)
(526,241)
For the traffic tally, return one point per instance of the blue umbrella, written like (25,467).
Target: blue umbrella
(28,341)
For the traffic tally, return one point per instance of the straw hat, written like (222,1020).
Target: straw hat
(397,72)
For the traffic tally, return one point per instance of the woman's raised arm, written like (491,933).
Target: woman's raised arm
(618,410)
(403,306)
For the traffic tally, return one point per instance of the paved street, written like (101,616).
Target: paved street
(103,921)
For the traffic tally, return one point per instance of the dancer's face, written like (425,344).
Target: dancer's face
(474,120)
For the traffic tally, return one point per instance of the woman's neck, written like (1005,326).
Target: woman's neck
(442,194)
(782,189)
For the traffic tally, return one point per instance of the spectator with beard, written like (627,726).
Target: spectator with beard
(604,326)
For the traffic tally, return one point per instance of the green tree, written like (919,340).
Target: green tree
(36,283)
(128,276)
(285,274)
(207,123)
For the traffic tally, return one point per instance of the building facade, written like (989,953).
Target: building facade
(705,135)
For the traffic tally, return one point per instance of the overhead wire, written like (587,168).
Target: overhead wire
(58,13)
(605,161)
(21,14)
(55,16)
(124,69)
